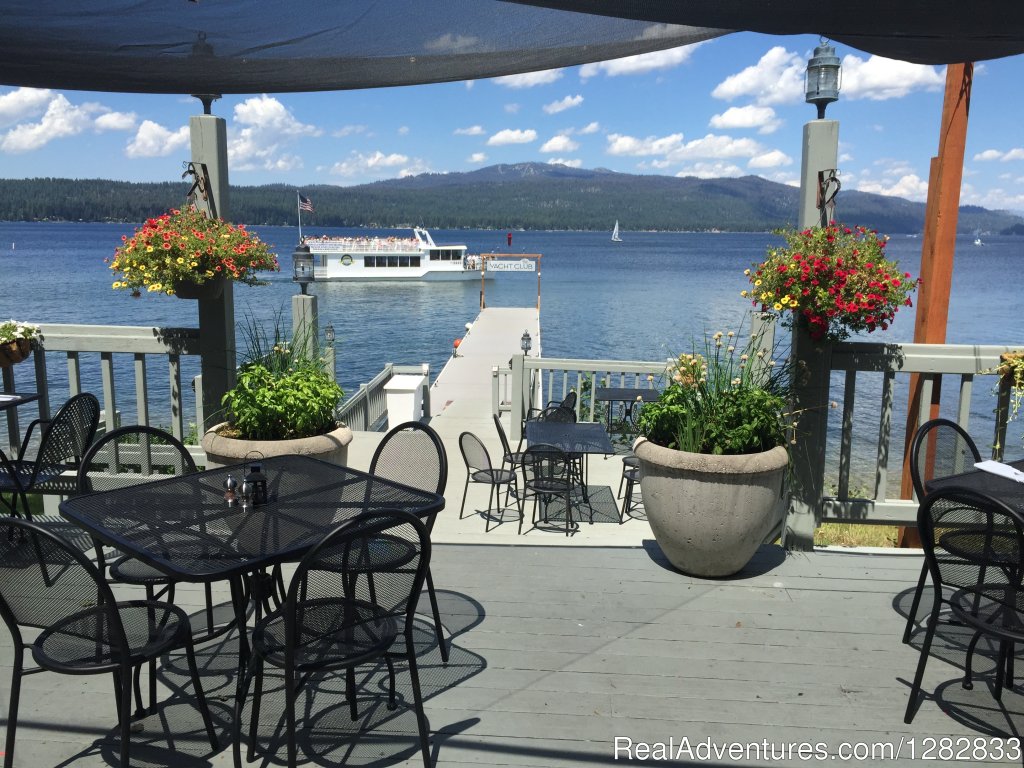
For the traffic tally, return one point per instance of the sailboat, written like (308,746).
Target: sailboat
(615,233)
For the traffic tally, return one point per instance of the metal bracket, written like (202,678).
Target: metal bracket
(828,188)
(198,196)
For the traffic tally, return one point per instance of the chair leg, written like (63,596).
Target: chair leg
(487,514)
(392,702)
(350,692)
(289,703)
(125,713)
(204,708)
(256,670)
(417,697)
(243,689)
(465,489)
(12,707)
(926,647)
(438,628)
(912,617)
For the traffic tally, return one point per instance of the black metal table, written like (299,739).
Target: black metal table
(14,399)
(184,527)
(626,395)
(580,438)
(1005,489)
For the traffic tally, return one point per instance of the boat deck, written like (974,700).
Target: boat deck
(558,652)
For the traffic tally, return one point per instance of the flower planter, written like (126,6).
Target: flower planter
(211,289)
(709,514)
(12,352)
(225,451)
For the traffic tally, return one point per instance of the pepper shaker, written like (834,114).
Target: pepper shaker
(230,484)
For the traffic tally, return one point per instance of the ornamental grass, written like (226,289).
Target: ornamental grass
(837,278)
(186,246)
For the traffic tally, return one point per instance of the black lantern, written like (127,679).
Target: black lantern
(257,483)
(823,78)
(525,342)
(302,266)
(329,333)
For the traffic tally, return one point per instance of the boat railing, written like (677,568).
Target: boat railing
(844,474)
(366,410)
(363,245)
(140,370)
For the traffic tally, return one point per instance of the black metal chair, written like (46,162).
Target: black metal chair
(548,473)
(413,454)
(63,441)
(631,476)
(973,544)
(512,458)
(940,448)
(49,585)
(480,470)
(130,456)
(343,609)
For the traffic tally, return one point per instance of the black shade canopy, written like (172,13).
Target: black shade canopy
(252,46)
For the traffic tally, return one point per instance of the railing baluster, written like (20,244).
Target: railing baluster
(141,397)
(109,395)
(177,410)
(846,444)
(74,375)
(884,437)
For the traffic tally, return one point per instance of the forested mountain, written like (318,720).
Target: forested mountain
(520,196)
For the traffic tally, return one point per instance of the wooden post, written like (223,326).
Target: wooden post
(939,241)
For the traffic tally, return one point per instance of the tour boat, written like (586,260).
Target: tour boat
(416,258)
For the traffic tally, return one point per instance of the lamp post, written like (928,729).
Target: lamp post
(329,350)
(305,322)
(810,394)
(525,342)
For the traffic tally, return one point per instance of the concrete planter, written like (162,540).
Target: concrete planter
(709,514)
(225,451)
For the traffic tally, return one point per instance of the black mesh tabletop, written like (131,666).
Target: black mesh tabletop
(1005,489)
(579,437)
(184,527)
(626,394)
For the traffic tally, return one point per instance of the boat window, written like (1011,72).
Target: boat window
(392,261)
(435,254)
(414,261)
(369,261)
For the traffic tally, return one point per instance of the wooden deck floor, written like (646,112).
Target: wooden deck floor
(558,651)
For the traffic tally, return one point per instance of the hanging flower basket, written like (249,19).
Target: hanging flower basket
(12,352)
(186,289)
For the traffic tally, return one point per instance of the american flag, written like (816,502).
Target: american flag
(305,204)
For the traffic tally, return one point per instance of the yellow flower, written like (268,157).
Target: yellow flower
(181,260)
(149,249)
(743,294)
(794,304)
(777,306)
(746,271)
(757,282)
(787,299)
(117,284)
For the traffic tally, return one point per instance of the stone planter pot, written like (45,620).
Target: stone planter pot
(211,289)
(709,514)
(225,451)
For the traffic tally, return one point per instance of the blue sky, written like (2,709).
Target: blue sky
(728,107)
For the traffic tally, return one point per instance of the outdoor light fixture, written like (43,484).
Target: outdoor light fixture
(329,333)
(302,267)
(525,342)
(823,78)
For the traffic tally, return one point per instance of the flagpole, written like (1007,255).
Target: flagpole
(298,210)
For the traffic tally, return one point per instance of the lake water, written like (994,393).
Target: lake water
(642,299)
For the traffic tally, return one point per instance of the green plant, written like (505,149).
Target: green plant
(282,391)
(184,245)
(14,330)
(721,398)
(836,277)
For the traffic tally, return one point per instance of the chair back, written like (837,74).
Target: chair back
(505,448)
(132,455)
(969,537)
(412,454)
(557,413)
(940,448)
(474,453)
(546,469)
(47,581)
(68,435)
(569,401)
(359,584)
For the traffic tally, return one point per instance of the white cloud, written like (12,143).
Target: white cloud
(23,103)
(711,170)
(116,121)
(619,144)
(1017,153)
(561,143)
(640,63)
(1014,154)
(777,78)
(563,104)
(374,163)
(267,126)
(403,130)
(512,109)
(714,146)
(473,130)
(589,128)
(771,159)
(512,136)
(530,79)
(348,130)
(571,163)
(879,79)
(477,157)
(60,120)
(909,186)
(153,140)
(750,116)
(414,169)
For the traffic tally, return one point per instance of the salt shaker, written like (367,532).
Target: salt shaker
(229,490)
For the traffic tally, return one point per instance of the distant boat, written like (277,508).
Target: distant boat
(977,238)
(615,233)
